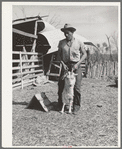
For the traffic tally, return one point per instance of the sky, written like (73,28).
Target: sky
(93,22)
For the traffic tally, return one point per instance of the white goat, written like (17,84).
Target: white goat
(68,91)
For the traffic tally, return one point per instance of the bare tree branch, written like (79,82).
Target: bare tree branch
(16,15)
(108,38)
(55,20)
(114,40)
(23,10)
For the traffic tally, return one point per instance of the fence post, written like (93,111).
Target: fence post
(88,74)
(95,70)
(106,69)
(92,71)
(101,70)
(98,70)
(114,68)
(21,69)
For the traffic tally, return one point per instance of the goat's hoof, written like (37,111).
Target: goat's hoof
(61,112)
(69,112)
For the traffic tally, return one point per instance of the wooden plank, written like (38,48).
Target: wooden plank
(34,43)
(27,72)
(105,69)
(114,68)
(19,79)
(35,66)
(52,74)
(16,80)
(24,82)
(27,45)
(40,102)
(26,77)
(56,65)
(101,69)
(94,71)
(24,33)
(17,87)
(50,65)
(28,53)
(21,70)
(17,61)
(25,20)
(24,85)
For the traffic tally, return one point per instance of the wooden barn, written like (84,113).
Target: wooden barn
(35,45)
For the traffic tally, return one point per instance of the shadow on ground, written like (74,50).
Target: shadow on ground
(19,103)
(113,85)
(37,106)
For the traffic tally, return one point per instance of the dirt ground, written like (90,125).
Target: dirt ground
(96,124)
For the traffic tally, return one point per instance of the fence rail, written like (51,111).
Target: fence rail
(24,67)
(24,70)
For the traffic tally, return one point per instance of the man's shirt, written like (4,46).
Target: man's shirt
(70,50)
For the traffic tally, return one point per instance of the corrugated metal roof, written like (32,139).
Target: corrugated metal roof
(54,36)
(48,27)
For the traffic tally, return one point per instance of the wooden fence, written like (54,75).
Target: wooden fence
(28,65)
(25,68)
(102,70)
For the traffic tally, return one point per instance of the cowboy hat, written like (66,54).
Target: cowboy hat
(68,27)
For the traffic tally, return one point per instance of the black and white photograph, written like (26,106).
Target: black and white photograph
(61,74)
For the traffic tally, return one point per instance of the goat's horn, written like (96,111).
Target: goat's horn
(71,70)
(64,76)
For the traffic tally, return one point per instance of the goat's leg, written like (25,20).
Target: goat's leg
(62,111)
(70,106)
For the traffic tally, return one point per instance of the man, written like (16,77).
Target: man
(72,52)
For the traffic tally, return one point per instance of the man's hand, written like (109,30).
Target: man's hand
(64,66)
(75,67)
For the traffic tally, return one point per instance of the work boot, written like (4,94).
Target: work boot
(59,105)
(76,109)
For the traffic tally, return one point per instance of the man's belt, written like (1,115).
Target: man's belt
(70,63)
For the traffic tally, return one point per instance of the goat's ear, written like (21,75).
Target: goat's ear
(64,76)
(75,74)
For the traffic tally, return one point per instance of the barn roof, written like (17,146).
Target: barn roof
(47,34)
(28,25)
(54,36)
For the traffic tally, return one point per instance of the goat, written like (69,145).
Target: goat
(68,91)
